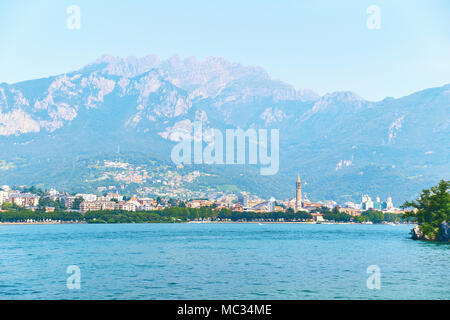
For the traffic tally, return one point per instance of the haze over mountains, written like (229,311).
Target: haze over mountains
(344,146)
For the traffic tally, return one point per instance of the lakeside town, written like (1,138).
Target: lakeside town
(50,201)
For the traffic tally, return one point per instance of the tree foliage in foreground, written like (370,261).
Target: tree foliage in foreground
(432,208)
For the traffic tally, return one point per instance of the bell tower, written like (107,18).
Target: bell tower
(298,198)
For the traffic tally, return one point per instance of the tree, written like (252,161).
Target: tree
(6,205)
(76,203)
(34,190)
(374,216)
(47,202)
(362,219)
(431,209)
(322,210)
(391,217)
(303,215)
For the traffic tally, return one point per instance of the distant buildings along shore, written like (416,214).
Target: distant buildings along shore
(236,202)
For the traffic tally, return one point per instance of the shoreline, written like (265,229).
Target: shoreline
(37,223)
(206,222)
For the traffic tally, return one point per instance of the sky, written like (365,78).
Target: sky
(401,47)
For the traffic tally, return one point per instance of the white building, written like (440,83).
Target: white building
(389,204)
(267,206)
(67,201)
(366,202)
(146,207)
(351,205)
(87,197)
(24,199)
(4,196)
(53,193)
(330,204)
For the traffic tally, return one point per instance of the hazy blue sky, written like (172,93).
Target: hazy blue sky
(320,45)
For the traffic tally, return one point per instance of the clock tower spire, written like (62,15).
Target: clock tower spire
(298,198)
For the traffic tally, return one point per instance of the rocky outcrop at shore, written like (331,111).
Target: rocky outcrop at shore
(443,234)
(417,234)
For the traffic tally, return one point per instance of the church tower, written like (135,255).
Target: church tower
(298,199)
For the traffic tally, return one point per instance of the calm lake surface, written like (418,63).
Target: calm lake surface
(220,261)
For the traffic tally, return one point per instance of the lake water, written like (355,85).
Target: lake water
(220,261)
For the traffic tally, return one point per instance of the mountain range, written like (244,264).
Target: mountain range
(139,108)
